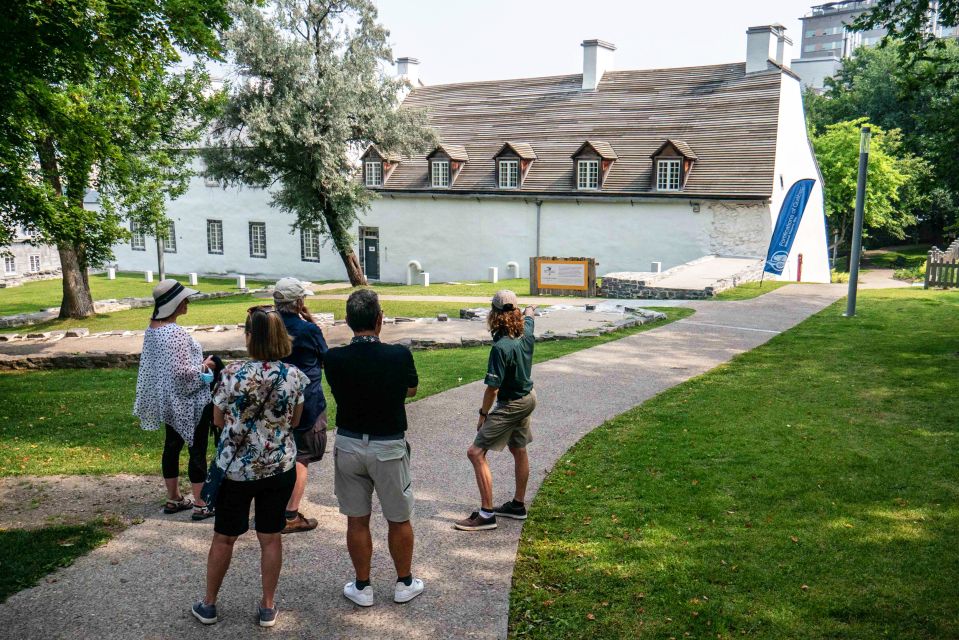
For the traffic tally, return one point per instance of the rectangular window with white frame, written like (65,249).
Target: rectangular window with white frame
(440,170)
(169,241)
(309,244)
(587,174)
(9,265)
(257,239)
(214,236)
(508,174)
(374,174)
(35,264)
(668,175)
(138,237)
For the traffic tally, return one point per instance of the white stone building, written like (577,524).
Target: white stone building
(23,260)
(628,167)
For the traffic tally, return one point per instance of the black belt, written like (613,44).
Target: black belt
(346,433)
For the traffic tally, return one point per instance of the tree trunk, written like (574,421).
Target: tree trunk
(344,246)
(77,301)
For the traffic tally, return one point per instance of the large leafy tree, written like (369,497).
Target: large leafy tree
(876,84)
(916,26)
(89,100)
(312,96)
(888,178)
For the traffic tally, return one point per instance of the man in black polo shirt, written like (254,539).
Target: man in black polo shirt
(370,382)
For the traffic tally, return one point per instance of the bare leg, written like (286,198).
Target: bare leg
(359,543)
(197,489)
(271,560)
(172,488)
(484,478)
(401,547)
(217,562)
(299,488)
(521,466)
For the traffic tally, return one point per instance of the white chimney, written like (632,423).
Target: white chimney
(762,44)
(784,47)
(597,60)
(409,70)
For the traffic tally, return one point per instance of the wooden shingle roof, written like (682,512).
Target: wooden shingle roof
(454,151)
(681,146)
(522,149)
(729,118)
(603,149)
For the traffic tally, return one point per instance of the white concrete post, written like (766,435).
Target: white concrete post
(656,267)
(193,279)
(493,274)
(513,269)
(241,282)
(111,273)
(148,275)
(426,278)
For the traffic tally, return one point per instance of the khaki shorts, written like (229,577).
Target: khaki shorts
(508,423)
(362,466)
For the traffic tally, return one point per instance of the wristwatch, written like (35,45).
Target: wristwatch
(482,413)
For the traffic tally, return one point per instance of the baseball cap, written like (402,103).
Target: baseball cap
(505,300)
(290,289)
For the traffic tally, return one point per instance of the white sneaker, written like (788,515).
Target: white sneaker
(362,597)
(405,594)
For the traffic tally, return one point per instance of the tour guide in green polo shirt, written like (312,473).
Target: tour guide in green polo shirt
(510,386)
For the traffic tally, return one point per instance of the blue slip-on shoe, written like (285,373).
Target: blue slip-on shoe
(267,616)
(205,613)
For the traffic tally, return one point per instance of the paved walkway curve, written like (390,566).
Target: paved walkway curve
(141,584)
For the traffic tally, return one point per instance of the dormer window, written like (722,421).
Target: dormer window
(378,166)
(373,176)
(508,174)
(513,162)
(668,172)
(592,162)
(445,164)
(587,174)
(672,163)
(440,170)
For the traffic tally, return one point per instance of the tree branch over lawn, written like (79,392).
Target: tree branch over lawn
(311,97)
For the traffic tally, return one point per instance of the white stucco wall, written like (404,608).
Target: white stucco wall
(795,161)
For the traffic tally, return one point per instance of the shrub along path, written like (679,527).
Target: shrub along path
(150,573)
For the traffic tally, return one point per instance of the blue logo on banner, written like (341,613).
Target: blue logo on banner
(790,215)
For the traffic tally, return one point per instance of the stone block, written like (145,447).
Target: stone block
(77,333)
(38,336)
(400,319)
(442,317)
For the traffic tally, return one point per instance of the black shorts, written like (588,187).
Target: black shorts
(270,497)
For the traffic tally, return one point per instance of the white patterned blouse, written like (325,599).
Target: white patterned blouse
(169,388)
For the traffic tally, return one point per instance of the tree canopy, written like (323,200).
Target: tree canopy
(311,96)
(889,174)
(89,100)
(913,25)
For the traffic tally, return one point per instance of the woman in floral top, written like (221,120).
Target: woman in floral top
(257,403)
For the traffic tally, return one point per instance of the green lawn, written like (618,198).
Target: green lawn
(902,257)
(472,288)
(230,310)
(36,296)
(808,489)
(30,555)
(749,290)
(79,422)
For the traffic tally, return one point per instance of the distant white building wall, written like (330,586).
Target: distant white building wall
(795,160)
(814,71)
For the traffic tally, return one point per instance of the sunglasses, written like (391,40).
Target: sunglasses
(263,308)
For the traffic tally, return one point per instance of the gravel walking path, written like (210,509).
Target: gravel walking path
(142,583)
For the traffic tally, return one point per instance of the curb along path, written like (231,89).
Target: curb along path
(142,583)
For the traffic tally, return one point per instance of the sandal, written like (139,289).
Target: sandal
(176,506)
(204,512)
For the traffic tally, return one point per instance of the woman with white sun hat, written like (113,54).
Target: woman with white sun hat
(173,389)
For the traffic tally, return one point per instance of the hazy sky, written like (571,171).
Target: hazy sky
(465,40)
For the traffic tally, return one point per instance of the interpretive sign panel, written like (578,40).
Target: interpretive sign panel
(563,276)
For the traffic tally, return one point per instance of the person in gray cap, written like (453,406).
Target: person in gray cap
(309,349)
(510,386)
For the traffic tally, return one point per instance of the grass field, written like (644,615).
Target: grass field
(807,489)
(36,296)
(79,422)
(30,555)
(902,257)
(230,310)
(749,290)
